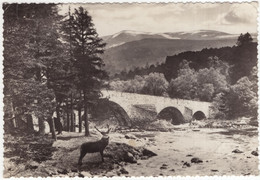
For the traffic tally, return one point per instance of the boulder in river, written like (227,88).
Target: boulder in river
(237,151)
(127,136)
(255,153)
(214,170)
(123,171)
(148,153)
(196,160)
(63,171)
(186,164)
(144,157)
(163,167)
(129,158)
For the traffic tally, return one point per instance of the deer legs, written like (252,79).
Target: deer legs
(101,153)
(82,154)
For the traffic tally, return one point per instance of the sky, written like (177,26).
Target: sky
(234,18)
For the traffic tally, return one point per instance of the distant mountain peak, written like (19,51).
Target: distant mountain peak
(130,32)
(134,32)
(125,36)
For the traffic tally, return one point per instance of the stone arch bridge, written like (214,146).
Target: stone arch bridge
(150,107)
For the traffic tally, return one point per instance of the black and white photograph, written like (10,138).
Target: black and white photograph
(130,89)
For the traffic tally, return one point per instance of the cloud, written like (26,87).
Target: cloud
(241,13)
(161,11)
(171,17)
(196,7)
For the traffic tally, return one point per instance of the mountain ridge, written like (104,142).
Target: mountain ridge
(151,51)
(125,36)
(130,49)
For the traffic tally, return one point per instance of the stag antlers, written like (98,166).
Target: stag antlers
(102,132)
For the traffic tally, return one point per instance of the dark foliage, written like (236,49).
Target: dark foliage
(26,148)
(51,63)
(242,58)
(85,48)
(32,54)
(244,39)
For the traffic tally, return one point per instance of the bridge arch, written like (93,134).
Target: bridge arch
(106,109)
(120,113)
(199,115)
(171,114)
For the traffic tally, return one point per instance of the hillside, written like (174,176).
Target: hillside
(150,51)
(125,36)
(128,36)
(241,59)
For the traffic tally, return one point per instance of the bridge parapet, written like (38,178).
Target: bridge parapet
(128,100)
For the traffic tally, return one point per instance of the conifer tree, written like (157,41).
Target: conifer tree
(86,48)
(32,61)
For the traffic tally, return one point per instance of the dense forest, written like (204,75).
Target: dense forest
(226,76)
(239,57)
(51,64)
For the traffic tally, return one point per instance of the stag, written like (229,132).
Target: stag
(93,147)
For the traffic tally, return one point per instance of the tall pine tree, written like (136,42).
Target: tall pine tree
(32,62)
(86,48)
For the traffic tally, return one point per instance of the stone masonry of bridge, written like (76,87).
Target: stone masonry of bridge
(129,102)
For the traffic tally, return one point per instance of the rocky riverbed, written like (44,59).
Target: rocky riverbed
(185,150)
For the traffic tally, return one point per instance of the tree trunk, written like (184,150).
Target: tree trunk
(74,122)
(79,111)
(41,126)
(68,117)
(13,115)
(80,120)
(86,115)
(58,110)
(71,121)
(71,113)
(29,120)
(51,124)
(17,117)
